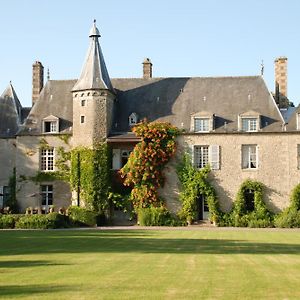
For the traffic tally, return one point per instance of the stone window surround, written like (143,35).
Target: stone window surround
(203,115)
(249,116)
(133,119)
(50,124)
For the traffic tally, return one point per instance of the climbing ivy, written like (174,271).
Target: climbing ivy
(260,216)
(12,199)
(195,183)
(143,170)
(90,175)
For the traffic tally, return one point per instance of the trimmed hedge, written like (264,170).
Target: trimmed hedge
(49,221)
(157,216)
(80,216)
(8,221)
(289,218)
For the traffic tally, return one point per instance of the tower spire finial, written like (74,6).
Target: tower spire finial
(262,68)
(48,74)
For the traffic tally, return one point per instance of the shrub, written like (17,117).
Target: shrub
(49,221)
(8,221)
(80,216)
(157,216)
(289,218)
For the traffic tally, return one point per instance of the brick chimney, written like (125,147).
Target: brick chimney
(147,68)
(280,77)
(37,80)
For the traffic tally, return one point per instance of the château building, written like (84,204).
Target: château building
(232,123)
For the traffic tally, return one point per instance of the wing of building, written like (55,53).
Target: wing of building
(232,123)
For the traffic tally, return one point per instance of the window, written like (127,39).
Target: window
(201,124)
(4,195)
(249,157)
(133,119)
(83,102)
(47,196)
(47,159)
(124,157)
(204,155)
(50,126)
(249,200)
(82,119)
(201,156)
(249,124)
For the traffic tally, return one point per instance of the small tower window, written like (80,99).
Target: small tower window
(82,119)
(133,119)
(83,102)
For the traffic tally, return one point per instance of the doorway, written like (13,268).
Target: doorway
(202,208)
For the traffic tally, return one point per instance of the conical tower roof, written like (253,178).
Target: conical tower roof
(10,112)
(94,74)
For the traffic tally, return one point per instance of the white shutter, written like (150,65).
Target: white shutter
(1,196)
(214,153)
(191,153)
(116,159)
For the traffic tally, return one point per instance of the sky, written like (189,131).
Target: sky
(182,38)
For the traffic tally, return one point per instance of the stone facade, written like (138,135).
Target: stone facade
(28,161)
(277,167)
(92,111)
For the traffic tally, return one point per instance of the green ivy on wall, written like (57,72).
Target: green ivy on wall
(90,175)
(260,216)
(195,183)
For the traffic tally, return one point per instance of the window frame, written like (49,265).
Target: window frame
(47,159)
(50,125)
(204,124)
(249,123)
(133,119)
(247,165)
(46,196)
(203,156)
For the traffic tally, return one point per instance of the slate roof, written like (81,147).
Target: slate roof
(167,99)
(55,99)
(94,74)
(292,120)
(176,99)
(10,112)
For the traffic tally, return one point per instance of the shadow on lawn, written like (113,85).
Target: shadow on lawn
(19,290)
(26,263)
(41,242)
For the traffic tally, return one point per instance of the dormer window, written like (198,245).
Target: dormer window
(249,124)
(133,119)
(51,124)
(202,122)
(249,121)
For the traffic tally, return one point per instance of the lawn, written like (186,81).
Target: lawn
(150,264)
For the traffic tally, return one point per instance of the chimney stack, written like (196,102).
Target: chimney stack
(37,80)
(147,68)
(280,77)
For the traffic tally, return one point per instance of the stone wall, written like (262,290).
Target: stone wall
(7,159)
(98,116)
(28,164)
(277,167)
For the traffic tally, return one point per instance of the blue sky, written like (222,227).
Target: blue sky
(182,38)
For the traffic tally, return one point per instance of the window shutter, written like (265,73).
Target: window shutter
(191,153)
(116,165)
(214,151)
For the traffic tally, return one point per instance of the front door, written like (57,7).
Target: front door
(202,207)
